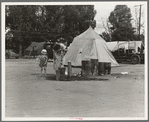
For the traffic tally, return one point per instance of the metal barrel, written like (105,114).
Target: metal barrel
(101,68)
(108,68)
(94,66)
(86,67)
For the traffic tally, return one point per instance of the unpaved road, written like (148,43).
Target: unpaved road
(29,95)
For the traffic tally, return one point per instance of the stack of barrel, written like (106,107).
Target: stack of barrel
(93,67)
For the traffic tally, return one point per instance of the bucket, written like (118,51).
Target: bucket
(94,66)
(101,68)
(86,67)
(62,70)
(108,68)
(62,73)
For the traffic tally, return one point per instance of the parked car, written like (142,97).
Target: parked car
(136,58)
(10,53)
(132,51)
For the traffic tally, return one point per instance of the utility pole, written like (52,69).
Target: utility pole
(139,21)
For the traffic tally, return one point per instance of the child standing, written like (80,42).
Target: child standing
(43,61)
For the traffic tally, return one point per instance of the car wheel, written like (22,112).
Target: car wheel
(135,59)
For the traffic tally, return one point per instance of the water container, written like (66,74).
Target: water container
(108,68)
(61,73)
(86,67)
(101,68)
(62,70)
(94,66)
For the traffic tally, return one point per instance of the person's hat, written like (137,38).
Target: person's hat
(44,51)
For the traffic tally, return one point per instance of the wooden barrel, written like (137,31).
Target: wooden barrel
(69,69)
(108,67)
(57,75)
(101,68)
(94,66)
(86,67)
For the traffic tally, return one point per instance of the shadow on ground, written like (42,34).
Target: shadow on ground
(74,78)
(83,78)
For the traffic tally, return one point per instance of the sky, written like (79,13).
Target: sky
(105,8)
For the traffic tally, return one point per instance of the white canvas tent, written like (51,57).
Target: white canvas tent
(38,46)
(86,46)
(113,46)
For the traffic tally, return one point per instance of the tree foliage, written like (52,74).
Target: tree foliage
(22,21)
(69,20)
(106,36)
(120,20)
(41,23)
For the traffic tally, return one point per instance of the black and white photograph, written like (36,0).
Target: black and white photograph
(74,61)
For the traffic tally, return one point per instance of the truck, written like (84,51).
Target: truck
(131,51)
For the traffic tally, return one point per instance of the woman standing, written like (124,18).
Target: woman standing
(58,54)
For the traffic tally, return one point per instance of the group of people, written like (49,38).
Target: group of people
(59,51)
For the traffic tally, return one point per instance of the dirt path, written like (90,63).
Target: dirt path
(29,95)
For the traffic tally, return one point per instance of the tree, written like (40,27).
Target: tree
(41,23)
(69,20)
(120,20)
(22,21)
(106,35)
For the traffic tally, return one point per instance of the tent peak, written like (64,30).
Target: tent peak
(90,27)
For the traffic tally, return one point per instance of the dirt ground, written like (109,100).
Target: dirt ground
(30,95)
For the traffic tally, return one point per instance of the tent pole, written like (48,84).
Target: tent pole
(128,47)
(69,69)
(30,52)
(118,48)
(33,52)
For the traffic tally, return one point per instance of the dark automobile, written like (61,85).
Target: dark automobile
(132,51)
(10,53)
